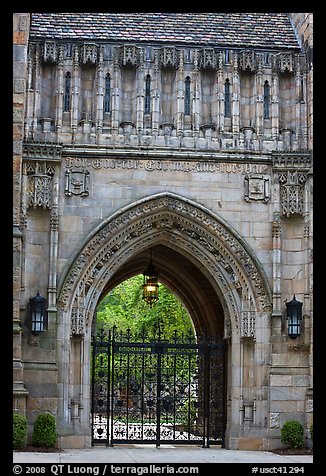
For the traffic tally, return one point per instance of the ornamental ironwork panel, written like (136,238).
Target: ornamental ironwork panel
(153,390)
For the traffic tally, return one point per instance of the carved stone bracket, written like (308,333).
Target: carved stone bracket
(39,184)
(256,187)
(77,182)
(247,60)
(88,53)
(168,57)
(285,62)
(292,172)
(208,59)
(129,55)
(49,52)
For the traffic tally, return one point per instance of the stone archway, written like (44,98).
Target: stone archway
(220,260)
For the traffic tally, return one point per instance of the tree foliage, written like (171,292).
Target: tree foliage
(124,308)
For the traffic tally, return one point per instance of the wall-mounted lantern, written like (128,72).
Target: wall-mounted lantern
(38,314)
(294,317)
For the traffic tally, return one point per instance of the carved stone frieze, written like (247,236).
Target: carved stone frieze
(295,160)
(256,187)
(42,150)
(77,182)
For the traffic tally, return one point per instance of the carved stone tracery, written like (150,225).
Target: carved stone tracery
(129,55)
(49,52)
(292,192)
(39,184)
(188,227)
(168,57)
(88,53)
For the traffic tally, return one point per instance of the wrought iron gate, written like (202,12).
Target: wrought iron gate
(157,391)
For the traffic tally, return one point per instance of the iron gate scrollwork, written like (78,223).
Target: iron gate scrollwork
(157,391)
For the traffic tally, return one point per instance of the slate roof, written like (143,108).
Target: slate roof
(253,30)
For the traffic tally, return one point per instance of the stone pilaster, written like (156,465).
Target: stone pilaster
(21,23)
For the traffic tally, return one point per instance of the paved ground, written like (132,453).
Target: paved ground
(168,454)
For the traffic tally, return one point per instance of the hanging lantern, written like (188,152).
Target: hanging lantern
(294,316)
(150,286)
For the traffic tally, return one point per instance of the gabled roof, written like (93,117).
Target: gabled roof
(238,30)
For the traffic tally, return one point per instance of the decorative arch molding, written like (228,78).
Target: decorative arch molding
(181,224)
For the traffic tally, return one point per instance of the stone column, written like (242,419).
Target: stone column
(54,243)
(37,79)
(196,96)
(21,22)
(156,96)
(235,98)
(275,107)
(180,95)
(259,94)
(75,94)
(99,95)
(140,88)
(60,93)
(29,97)
(220,93)
(116,94)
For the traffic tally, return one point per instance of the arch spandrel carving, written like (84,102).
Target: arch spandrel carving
(182,224)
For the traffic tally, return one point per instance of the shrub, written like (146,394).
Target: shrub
(292,434)
(44,430)
(19,430)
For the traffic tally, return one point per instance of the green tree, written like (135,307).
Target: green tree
(124,308)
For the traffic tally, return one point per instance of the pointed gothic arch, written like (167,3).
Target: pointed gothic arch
(190,230)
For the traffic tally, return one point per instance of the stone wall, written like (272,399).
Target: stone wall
(80,166)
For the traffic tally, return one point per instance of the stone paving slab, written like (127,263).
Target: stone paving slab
(168,454)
